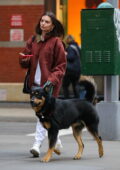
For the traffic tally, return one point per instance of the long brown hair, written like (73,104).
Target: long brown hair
(58,30)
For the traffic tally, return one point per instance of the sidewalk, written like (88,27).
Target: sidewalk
(16,112)
(21,112)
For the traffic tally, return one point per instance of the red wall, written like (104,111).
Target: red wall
(10,70)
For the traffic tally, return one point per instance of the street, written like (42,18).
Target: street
(70,40)
(16,139)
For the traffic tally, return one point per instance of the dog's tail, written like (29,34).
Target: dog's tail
(89,87)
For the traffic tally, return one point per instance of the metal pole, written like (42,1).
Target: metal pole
(111,88)
(111,83)
(109,109)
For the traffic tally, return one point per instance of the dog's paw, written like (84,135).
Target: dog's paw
(57,151)
(101,151)
(77,156)
(45,159)
(101,154)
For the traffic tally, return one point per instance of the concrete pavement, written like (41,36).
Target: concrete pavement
(18,112)
(15,112)
(21,112)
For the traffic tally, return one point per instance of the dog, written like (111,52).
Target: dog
(56,114)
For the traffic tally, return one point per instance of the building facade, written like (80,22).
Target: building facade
(17,23)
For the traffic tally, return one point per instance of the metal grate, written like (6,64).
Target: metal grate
(98,56)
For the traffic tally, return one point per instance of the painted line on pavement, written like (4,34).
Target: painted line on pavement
(61,132)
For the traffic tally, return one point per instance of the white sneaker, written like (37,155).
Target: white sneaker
(58,145)
(35,150)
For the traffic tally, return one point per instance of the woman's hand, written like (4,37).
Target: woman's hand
(24,60)
(25,57)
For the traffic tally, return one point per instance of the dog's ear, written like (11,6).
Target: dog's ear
(48,87)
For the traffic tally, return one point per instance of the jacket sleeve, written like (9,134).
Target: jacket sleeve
(59,66)
(25,63)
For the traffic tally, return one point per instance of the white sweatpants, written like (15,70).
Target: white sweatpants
(41,133)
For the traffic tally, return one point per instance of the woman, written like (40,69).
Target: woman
(47,65)
(73,69)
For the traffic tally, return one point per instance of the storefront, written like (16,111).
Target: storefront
(68,11)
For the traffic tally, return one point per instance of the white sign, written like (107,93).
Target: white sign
(16,34)
(16,20)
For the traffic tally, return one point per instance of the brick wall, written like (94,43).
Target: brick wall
(10,70)
(30,15)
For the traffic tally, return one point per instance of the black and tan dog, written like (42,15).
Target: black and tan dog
(56,114)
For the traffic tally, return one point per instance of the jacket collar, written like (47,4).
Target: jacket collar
(39,38)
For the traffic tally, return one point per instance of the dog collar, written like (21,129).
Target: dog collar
(39,114)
